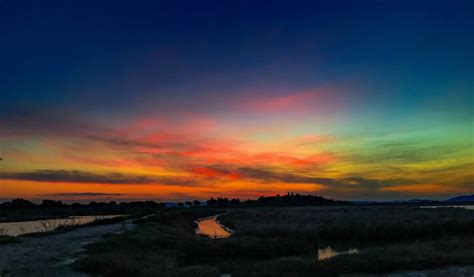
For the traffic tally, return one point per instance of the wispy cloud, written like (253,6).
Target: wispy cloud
(75,176)
(81,194)
(269,175)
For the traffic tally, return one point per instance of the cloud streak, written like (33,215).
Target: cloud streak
(76,176)
(82,194)
(269,176)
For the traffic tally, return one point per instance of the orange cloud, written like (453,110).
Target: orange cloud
(286,159)
(210,172)
(433,189)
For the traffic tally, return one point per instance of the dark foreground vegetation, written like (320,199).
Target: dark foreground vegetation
(284,241)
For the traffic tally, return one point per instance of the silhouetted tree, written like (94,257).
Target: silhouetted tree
(211,202)
(51,204)
(292,199)
(22,203)
(235,202)
(76,205)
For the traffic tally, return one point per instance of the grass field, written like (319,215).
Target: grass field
(284,242)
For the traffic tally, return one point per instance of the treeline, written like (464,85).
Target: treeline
(24,210)
(112,207)
(20,203)
(287,200)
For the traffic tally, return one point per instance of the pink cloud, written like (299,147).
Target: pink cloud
(158,125)
(287,159)
(313,99)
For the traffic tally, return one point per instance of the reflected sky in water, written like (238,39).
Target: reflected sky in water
(328,252)
(467,207)
(46,225)
(211,228)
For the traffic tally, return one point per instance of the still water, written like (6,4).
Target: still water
(467,207)
(210,227)
(328,252)
(46,225)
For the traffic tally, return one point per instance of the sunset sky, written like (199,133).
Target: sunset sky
(173,100)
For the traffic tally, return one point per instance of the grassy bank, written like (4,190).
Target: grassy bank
(284,242)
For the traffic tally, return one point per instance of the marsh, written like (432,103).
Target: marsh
(285,241)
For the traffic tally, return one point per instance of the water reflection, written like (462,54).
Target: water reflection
(328,252)
(467,207)
(46,225)
(210,227)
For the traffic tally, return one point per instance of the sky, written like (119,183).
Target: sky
(175,100)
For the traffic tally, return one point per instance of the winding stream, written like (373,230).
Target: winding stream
(211,227)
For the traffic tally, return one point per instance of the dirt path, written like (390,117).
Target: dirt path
(51,255)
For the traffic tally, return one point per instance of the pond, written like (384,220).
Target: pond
(328,252)
(46,225)
(211,227)
(467,207)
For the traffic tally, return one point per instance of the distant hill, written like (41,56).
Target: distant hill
(396,202)
(421,201)
(292,199)
(461,199)
(365,202)
(288,200)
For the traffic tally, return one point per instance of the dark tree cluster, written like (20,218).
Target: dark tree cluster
(18,203)
(21,209)
(195,203)
(290,199)
(223,202)
(51,204)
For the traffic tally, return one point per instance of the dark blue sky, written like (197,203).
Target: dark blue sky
(108,55)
